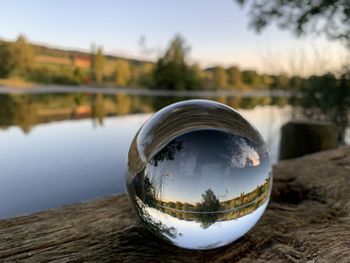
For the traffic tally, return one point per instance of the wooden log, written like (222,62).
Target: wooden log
(307,220)
(304,137)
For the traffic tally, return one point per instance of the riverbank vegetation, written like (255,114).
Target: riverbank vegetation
(22,62)
(28,110)
(317,97)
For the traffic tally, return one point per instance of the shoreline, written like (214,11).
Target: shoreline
(44,89)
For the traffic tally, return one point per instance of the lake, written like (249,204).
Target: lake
(60,149)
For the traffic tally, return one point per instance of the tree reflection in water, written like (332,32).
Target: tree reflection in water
(28,110)
(207,209)
(210,210)
(224,149)
(98,108)
(155,226)
(200,167)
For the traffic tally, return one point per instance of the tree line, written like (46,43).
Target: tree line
(38,64)
(323,97)
(210,209)
(172,71)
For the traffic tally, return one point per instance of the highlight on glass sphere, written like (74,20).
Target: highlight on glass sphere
(199,175)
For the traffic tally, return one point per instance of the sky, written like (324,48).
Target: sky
(217,32)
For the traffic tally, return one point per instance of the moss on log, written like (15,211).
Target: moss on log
(307,220)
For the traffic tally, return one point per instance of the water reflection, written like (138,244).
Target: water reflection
(28,110)
(70,157)
(17,110)
(63,163)
(198,165)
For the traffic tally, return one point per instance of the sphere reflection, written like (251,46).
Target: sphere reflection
(199,174)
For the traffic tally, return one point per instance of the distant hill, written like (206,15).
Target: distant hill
(73,67)
(67,53)
(45,54)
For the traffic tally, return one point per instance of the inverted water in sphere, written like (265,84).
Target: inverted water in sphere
(199,175)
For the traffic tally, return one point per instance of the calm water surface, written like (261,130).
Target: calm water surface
(62,150)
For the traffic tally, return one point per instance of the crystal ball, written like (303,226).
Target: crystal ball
(199,174)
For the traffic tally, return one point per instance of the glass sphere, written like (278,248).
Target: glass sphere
(199,175)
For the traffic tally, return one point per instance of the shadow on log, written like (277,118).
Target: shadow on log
(306,220)
(304,137)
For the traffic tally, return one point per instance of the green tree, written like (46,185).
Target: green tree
(295,83)
(330,17)
(187,207)
(251,78)
(22,54)
(6,61)
(97,65)
(205,79)
(210,203)
(195,75)
(234,77)
(172,71)
(144,74)
(172,204)
(122,72)
(280,81)
(220,78)
(266,80)
(327,98)
(178,205)
(78,76)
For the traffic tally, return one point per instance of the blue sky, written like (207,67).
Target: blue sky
(217,31)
